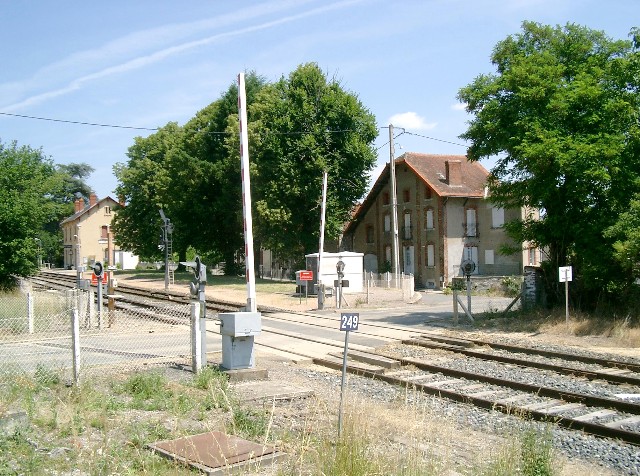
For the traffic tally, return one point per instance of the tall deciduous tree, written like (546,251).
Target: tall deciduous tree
(301,126)
(145,187)
(28,180)
(562,115)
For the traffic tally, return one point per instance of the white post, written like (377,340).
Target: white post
(566,297)
(75,344)
(30,312)
(92,308)
(246,197)
(196,338)
(321,244)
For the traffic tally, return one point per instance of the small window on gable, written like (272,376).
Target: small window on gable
(369,234)
(107,210)
(385,198)
(427,192)
(406,195)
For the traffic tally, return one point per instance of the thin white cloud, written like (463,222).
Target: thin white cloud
(459,106)
(411,120)
(116,47)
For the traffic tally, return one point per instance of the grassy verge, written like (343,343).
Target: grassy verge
(231,282)
(104,426)
(619,332)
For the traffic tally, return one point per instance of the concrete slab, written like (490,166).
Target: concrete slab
(241,375)
(269,391)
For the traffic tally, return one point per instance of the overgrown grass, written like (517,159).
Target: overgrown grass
(529,455)
(623,332)
(103,426)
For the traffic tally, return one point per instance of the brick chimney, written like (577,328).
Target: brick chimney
(453,172)
(78,205)
(93,199)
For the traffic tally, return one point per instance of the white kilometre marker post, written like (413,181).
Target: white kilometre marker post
(246,197)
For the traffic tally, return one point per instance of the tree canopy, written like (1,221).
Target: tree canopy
(27,179)
(562,115)
(298,127)
(303,125)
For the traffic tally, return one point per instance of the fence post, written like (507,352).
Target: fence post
(92,309)
(455,306)
(75,345)
(196,338)
(366,277)
(30,311)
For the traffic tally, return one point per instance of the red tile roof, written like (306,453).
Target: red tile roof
(432,169)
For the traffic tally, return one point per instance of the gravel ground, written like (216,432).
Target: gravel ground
(591,455)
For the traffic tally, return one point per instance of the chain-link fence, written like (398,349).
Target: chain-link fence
(66,332)
(405,283)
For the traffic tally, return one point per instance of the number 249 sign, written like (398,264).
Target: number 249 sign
(349,321)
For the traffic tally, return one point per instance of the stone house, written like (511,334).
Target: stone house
(87,235)
(444,217)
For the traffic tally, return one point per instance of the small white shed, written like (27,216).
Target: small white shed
(353,269)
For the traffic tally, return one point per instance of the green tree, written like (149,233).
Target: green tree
(215,198)
(301,126)
(626,232)
(561,114)
(28,180)
(72,185)
(144,184)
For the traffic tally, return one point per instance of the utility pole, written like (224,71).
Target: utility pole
(321,244)
(395,265)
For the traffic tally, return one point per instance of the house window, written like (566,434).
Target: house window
(387,223)
(428,218)
(497,217)
(488,257)
(471,226)
(107,210)
(369,233)
(104,234)
(532,257)
(406,231)
(431,254)
(385,198)
(387,253)
(406,195)
(427,192)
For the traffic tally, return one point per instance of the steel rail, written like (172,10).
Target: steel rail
(489,404)
(560,369)
(542,352)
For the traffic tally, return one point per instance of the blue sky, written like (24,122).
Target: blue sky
(144,63)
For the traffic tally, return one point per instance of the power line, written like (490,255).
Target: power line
(155,129)
(82,123)
(433,138)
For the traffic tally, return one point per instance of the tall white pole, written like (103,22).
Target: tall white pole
(321,245)
(395,265)
(246,197)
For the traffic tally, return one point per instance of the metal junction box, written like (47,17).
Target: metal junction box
(240,324)
(238,331)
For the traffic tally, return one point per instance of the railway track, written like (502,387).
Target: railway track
(600,412)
